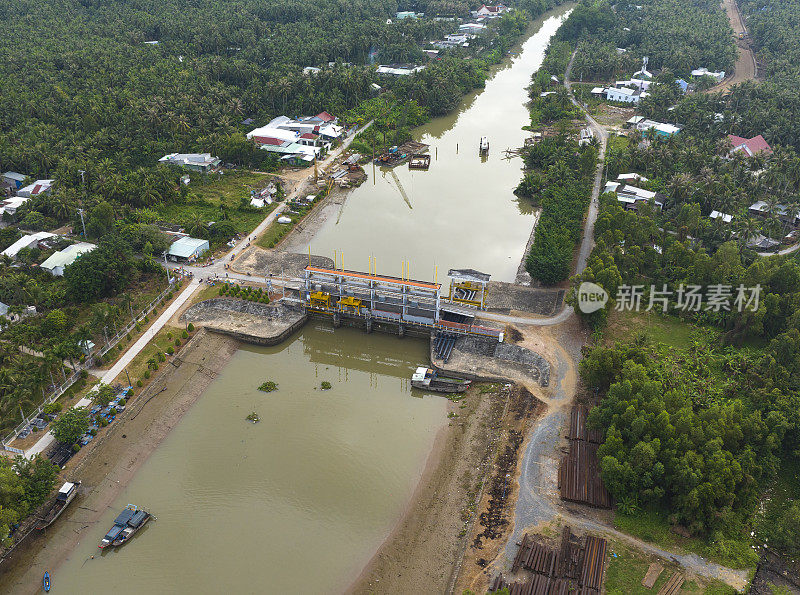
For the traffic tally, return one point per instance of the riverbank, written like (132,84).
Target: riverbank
(112,463)
(424,548)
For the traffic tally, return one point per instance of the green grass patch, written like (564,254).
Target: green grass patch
(669,330)
(274,233)
(627,567)
(652,526)
(213,192)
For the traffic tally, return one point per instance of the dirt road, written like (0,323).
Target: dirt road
(745,69)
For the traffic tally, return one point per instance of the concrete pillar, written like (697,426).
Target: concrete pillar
(337,320)
(369,324)
(401,331)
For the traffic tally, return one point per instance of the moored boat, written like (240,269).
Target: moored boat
(129,521)
(65,495)
(429,379)
(46,582)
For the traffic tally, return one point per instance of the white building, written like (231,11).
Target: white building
(201,162)
(58,261)
(718,76)
(188,248)
(722,216)
(11,205)
(27,242)
(399,69)
(632,197)
(625,94)
(39,187)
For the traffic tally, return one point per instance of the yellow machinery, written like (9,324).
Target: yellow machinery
(467,292)
(320,299)
(351,303)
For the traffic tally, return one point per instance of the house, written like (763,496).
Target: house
(309,70)
(202,162)
(325,117)
(632,197)
(58,261)
(10,206)
(407,14)
(625,94)
(684,85)
(587,135)
(661,129)
(762,243)
(472,28)
(491,11)
(187,249)
(598,91)
(634,121)
(761,209)
(28,241)
(38,188)
(750,146)
(398,69)
(432,54)
(14,178)
(718,76)
(631,178)
(3,309)
(717,215)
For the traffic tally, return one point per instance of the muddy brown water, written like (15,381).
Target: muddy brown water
(462,212)
(296,503)
(299,502)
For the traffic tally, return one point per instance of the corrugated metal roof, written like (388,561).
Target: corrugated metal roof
(186,247)
(67,256)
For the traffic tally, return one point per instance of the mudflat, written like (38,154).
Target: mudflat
(423,551)
(116,456)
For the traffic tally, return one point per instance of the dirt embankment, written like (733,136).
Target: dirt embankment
(422,551)
(495,520)
(112,462)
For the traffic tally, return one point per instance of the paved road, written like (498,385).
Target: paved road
(126,359)
(602,136)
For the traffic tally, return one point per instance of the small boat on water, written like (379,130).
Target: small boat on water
(129,521)
(46,582)
(484,146)
(429,379)
(66,495)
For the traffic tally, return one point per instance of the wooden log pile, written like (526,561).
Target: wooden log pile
(574,568)
(579,471)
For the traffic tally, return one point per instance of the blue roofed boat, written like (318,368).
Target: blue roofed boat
(129,521)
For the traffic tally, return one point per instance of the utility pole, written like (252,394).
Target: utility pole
(83,223)
(166,266)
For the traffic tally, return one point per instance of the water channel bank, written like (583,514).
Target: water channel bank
(327,476)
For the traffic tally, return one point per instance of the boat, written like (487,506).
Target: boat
(65,495)
(46,582)
(484,146)
(128,522)
(429,379)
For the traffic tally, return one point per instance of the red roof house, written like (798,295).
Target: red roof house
(268,140)
(750,146)
(325,117)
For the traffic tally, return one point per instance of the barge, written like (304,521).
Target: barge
(129,521)
(65,495)
(429,379)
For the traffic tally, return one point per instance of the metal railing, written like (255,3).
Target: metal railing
(60,390)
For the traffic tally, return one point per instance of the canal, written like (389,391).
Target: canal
(300,502)
(318,483)
(445,216)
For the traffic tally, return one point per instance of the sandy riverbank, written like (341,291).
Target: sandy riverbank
(112,463)
(420,554)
